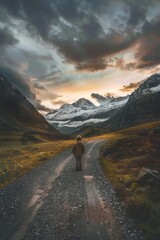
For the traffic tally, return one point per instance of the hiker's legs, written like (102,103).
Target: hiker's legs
(78,164)
(80,167)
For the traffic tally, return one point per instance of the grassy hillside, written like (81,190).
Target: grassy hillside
(122,158)
(20,153)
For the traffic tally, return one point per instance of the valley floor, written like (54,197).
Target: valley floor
(54,201)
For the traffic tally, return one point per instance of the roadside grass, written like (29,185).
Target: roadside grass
(122,158)
(17,157)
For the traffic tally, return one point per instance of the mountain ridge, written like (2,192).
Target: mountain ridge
(143,106)
(18,112)
(69,118)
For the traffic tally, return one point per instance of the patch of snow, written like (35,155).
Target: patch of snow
(84,104)
(66,113)
(155,89)
(149,86)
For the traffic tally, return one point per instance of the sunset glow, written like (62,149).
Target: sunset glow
(71,49)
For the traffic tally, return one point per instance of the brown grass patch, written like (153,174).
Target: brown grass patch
(122,158)
(17,158)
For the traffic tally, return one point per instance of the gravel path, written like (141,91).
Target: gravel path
(54,201)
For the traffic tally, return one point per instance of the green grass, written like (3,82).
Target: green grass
(18,157)
(122,158)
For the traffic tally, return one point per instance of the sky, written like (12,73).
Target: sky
(57,51)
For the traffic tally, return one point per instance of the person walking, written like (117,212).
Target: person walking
(78,151)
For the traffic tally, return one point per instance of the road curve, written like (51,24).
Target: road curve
(54,201)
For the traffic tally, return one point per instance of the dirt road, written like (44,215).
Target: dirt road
(54,201)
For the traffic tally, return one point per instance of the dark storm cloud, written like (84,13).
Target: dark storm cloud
(138,10)
(92,65)
(148,53)
(13,71)
(13,7)
(6,37)
(92,41)
(87,53)
(10,67)
(38,86)
(41,107)
(25,86)
(40,16)
(74,27)
(100,99)
(20,80)
(69,9)
(30,56)
(121,64)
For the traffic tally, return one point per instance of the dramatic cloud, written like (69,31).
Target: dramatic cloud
(109,95)
(123,65)
(32,56)
(131,87)
(78,30)
(98,97)
(92,65)
(102,99)
(53,46)
(89,54)
(20,80)
(6,37)
(41,107)
(138,11)
(149,45)
(11,68)
(38,86)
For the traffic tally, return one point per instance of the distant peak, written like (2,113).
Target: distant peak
(83,100)
(65,105)
(83,103)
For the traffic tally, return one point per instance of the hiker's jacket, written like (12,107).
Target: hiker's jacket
(78,150)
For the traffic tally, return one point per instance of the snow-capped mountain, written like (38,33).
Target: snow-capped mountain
(71,117)
(17,111)
(84,104)
(150,86)
(142,106)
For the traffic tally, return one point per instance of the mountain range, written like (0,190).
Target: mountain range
(143,105)
(70,118)
(18,113)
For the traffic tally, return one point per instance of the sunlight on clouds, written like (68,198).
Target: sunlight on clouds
(80,48)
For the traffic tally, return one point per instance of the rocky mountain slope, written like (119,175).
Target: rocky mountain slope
(17,112)
(142,106)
